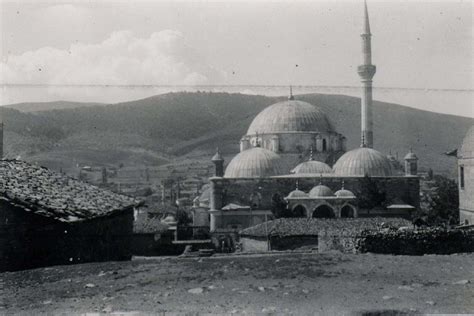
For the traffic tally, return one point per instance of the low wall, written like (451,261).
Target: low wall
(345,242)
(416,242)
(399,242)
(293,242)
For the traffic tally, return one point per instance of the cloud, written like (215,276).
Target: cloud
(121,59)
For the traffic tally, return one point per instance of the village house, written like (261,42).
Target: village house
(48,218)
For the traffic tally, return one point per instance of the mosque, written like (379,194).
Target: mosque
(292,155)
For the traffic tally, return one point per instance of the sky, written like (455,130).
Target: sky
(416,44)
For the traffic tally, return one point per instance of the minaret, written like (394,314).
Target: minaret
(218,162)
(366,72)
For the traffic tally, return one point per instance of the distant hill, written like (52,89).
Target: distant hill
(47,106)
(188,126)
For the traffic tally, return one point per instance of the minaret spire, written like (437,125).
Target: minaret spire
(366,29)
(366,72)
(291,97)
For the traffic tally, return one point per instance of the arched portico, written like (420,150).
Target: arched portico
(299,210)
(323,211)
(348,211)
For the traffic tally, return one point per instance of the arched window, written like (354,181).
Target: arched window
(323,211)
(325,145)
(298,211)
(347,211)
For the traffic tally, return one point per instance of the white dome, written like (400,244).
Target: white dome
(320,191)
(254,163)
(312,167)
(363,161)
(289,116)
(344,193)
(297,194)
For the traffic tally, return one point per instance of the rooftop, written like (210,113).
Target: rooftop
(312,226)
(55,195)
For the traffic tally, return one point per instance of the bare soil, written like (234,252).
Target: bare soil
(287,283)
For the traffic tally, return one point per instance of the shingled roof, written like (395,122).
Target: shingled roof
(55,195)
(313,226)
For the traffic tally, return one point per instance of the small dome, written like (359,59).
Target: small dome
(297,194)
(467,147)
(363,161)
(344,193)
(312,166)
(320,191)
(254,163)
(289,116)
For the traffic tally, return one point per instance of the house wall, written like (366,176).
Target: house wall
(466,194)
(155,245)
(28,240)
(293,242)
(240,191)
(253,244)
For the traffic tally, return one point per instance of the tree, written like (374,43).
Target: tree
(279,206)
(370,195)
(444,205)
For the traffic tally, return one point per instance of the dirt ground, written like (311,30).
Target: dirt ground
(286,283)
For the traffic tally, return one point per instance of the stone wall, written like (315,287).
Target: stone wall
(399,242)
(345,242)
(28,240)
(416,242)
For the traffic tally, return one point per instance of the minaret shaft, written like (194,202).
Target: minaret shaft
(366,72)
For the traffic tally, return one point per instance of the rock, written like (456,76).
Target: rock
(430,303)
(47,302)
(461,282)
(305,291)
(107,309)
(89,285)
(277,260)
(211,287)
(270,309)
(417,285)
(261,289)
(102,273)
(405,288)
(197,290)
(387,297)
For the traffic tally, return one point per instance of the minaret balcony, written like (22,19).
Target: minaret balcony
(366,71)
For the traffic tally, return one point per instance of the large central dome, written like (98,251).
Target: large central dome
(289,116)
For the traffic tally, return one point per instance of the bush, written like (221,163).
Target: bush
(416,242)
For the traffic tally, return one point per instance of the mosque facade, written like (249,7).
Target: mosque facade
(292,156)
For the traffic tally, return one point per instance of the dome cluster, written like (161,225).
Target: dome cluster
(321,191)
(293,116)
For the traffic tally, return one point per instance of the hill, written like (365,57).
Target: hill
(188,126)
(48,106)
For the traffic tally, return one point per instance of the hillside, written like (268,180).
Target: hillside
(172,126)
(48,106)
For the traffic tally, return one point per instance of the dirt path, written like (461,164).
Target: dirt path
(286,283)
